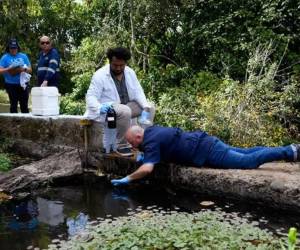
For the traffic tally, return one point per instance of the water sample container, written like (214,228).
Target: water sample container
(44,101)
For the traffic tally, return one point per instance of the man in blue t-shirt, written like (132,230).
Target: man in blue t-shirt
(13,64)
(172,145)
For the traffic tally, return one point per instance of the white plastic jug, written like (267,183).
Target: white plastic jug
(45,101)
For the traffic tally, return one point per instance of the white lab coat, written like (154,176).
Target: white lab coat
(103,89)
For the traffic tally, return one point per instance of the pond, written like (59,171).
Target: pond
(59,212)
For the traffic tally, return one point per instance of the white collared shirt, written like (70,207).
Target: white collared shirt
(103,89)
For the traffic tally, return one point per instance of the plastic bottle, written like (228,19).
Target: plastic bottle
(144,123)
(110,131)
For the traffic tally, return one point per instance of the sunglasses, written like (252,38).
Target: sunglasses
(42,43)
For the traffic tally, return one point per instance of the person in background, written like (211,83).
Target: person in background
(12,65)
(116,86)
(172,145)
(48,72)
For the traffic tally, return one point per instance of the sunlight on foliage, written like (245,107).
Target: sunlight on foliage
(258,111)
(3,97)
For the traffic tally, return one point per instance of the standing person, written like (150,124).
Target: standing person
(172,145)
(48,71)
(12,64)
(116,86)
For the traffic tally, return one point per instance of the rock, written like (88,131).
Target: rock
(278,185)
(63,164)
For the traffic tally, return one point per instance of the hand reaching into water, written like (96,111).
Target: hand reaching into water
(120,182)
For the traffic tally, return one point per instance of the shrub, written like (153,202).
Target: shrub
(71,107)
(5,162)
(242,116)
(259,111)
(159,79)
(3,97)
(177,108)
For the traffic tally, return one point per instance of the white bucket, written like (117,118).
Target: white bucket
(45,101)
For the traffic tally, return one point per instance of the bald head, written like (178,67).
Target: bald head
(45,43)
(45,38)
(135,135)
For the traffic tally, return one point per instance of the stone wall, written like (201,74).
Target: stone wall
(50,131)
(274,184)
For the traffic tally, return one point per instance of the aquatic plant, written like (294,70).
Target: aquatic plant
(292,239)
(157,229)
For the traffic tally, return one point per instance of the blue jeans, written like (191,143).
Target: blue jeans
(225,156)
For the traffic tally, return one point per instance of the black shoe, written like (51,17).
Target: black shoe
(124,151)
(296,148)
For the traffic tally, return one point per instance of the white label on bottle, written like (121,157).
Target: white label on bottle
(110,119)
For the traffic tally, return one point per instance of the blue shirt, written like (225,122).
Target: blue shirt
(162,144)
(7,59)
(48,67)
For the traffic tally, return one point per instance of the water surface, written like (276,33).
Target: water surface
(60,212)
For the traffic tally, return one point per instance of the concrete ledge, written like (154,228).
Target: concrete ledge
(274,184)
(57,130)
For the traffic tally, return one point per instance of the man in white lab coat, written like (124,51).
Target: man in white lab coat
(116,86)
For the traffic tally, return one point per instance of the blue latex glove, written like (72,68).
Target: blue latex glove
(140,157)
(120,182)
(145,117)
(105,107)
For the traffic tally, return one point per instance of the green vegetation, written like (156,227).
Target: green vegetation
(226,66)
(292,239)
(174,230)
(3,97)
(229,67)
(4,162)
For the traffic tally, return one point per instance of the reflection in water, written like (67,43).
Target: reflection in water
(63,212)
(120,194)
(24,216)
(117,202)
(77,225)
(50,212)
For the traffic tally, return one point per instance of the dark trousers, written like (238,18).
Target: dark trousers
(17,95)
